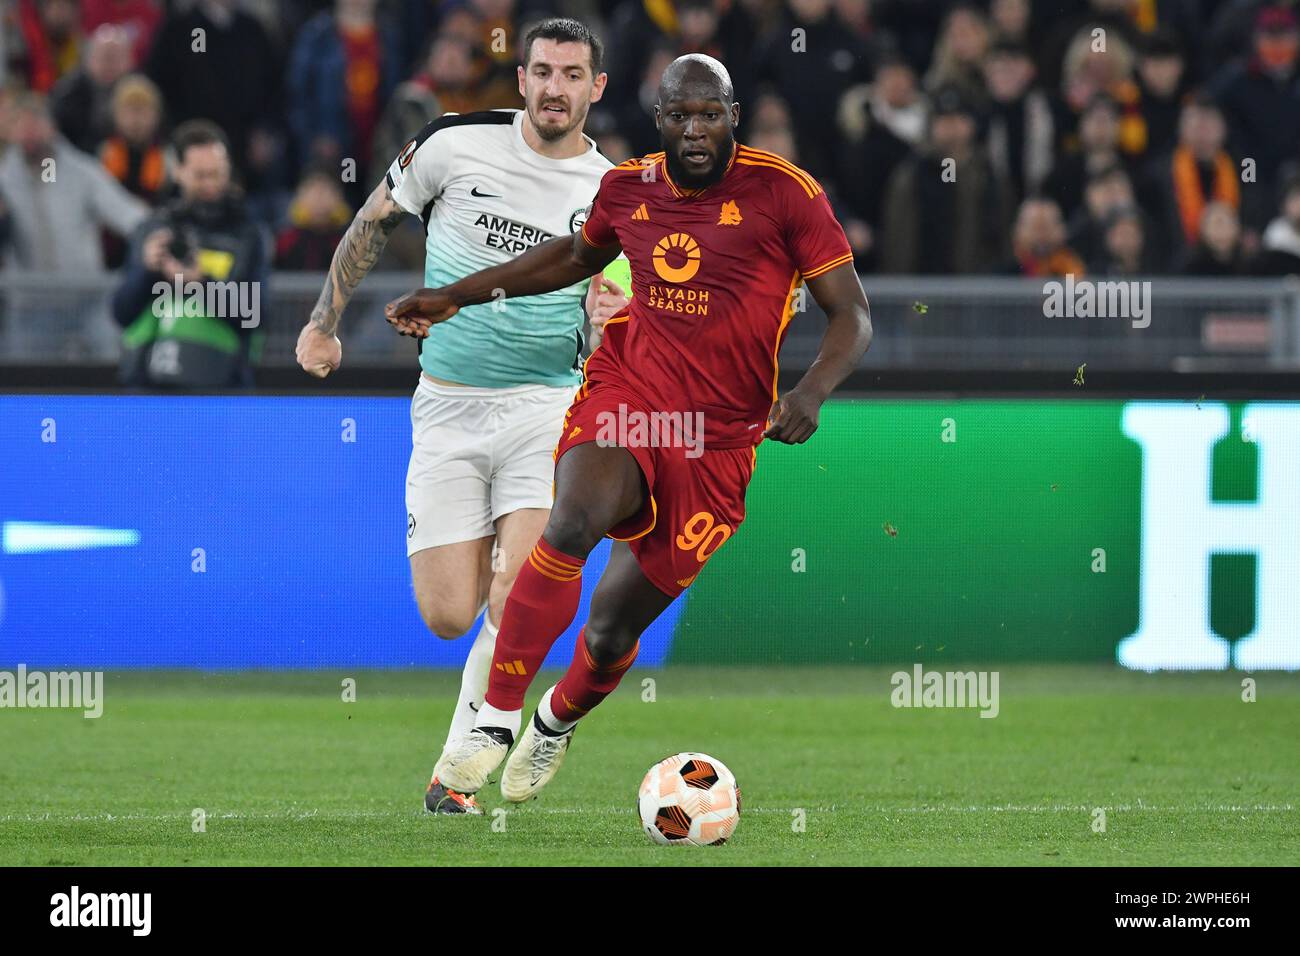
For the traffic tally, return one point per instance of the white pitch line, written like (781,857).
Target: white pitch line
(295,815)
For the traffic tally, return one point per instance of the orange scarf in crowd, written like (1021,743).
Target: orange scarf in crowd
(115,156)
(1191,197)
(1061,262)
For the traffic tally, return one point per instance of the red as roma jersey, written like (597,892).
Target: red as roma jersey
(714,279)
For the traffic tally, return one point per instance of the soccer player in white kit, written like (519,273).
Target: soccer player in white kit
(488,409)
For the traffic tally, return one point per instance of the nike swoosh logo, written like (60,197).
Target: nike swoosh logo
(474,192)
(471,706)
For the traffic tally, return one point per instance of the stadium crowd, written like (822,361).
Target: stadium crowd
(1088,136)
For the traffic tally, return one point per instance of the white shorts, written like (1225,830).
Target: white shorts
(478,454)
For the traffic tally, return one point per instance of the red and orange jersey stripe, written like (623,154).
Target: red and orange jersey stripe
(787,313)
(587,239)
(761,157)
(553,568)
(638,163)
(828,266)
(622,664)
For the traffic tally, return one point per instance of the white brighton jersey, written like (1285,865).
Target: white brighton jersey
(486,196)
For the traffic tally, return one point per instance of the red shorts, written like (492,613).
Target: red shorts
(696,500)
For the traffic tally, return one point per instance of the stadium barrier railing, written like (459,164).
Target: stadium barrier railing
(1165,324)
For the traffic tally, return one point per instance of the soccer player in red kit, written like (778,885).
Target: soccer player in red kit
(719,237)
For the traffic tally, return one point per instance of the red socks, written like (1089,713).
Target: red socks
(587,683)
(542,603)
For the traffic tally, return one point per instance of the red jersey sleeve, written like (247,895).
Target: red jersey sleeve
(598,230)
(814,237)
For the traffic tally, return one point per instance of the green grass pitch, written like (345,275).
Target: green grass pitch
(288,773)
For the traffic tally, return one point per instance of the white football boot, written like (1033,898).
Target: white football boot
(534,762)
(465,765)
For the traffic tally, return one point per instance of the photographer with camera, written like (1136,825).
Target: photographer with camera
(190,300)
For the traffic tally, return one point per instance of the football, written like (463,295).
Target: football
(689,799)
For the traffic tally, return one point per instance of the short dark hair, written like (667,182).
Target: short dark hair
(565,30)
(197,132)
(1201,100)
(1162,43)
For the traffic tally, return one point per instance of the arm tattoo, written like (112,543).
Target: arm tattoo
(356,255)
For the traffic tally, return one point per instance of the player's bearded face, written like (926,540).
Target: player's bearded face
(697,144)
(554,111)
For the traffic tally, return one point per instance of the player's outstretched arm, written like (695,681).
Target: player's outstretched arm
(319,350)
(547,266)
(847,338)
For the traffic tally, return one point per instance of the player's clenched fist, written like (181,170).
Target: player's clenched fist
(318,352)
(414,312)
(793,418)
(605,299)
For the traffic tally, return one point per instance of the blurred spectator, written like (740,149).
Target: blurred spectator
(81,101)
(1280,247)
(1218,251)
(343,67)
(411,107)
(1009,21)
(203,236)
(133,153)
(58,197)
(1260,98)
(774,133)
(139,18)
(1090,72)
(1125,249)
(454,76)
(1038,242)
(1020,134)
(1108,191)
(1231,28)
(776,139)
(1199,171)
(897,103)
(913,26)
(963,43)
(697,31)
(728,29)
(227,72)
(810,52)
(636,117)
(875,146)
(724,30)
(318,217)
(602,128)
(945,209)
(496,38)
(494,72)
(1071,36)
(1098,149)
(50,32)
(1161,73)
(1068,98)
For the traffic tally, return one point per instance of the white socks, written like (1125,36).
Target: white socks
(548,716)
(474,681)
(489,716)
